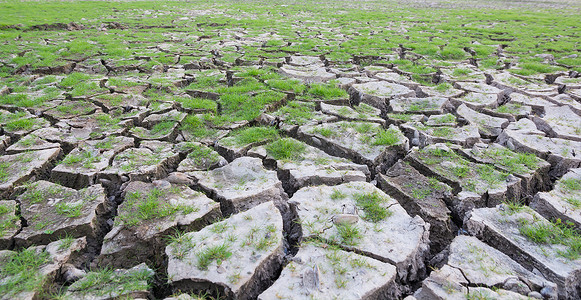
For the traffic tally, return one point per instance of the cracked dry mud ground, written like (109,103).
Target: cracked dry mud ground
(233,151)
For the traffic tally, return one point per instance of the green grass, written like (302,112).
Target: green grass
(364,128)
(517,163)
(444,119)
(452,53)
(387,137)
(74,108)
(21,124)
(480,295)
(344,33)
(217,253)
(420,193)
(196,126)
(421,105)
(196,103)
(70,210)
(66,242)
(570,184)
(20,272)
(349,234)
(139,207)
(4,171)
(86,159)
(443,87)
(442,131)
(401,117)
(417,69)
(372,205)
(163,128)
(251,135)
(105,144)
(201,154)
(326,132)
(287,85)
(327,91)
(238,106)
(531,68)
(243,86)
(554,233)
(461,171)
(461,72)
(297,113)
(337,194)
(108,282)
(492,177)
(74,79)
(105,121)
(575,202)
(509,108)
(7,219)
(286,149)
(204,82)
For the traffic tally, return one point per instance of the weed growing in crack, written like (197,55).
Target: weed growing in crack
(349,234)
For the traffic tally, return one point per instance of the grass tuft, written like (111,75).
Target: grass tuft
(216,253)
(371,204)
(286,149)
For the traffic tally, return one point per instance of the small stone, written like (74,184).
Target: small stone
(316,141)
(105,182)
(345,219)
(511,177)
(72,274)
(515,285)
(549,292)
(162,184)
(311,278)
(179,178)
(510,145)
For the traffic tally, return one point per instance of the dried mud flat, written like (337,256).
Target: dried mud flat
(285,151)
